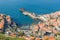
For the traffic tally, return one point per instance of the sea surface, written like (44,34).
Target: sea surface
(11,7)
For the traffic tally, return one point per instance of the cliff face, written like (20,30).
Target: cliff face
(5,21)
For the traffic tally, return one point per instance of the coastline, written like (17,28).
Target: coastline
(47,26)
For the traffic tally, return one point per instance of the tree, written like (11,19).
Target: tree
(21,33)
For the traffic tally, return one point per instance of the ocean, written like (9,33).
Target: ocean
(11,7)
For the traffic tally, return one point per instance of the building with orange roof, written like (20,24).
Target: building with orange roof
(12,34)
(37,39)
(35,28)
(55,23)
(52,38)
(1,23)
(55,31)
(41,25)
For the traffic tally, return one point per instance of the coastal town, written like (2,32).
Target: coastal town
(49,25)
(48,28)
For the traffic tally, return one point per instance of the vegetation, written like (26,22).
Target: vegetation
(2,37)
(0,20)
(21,33)
(57,36)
